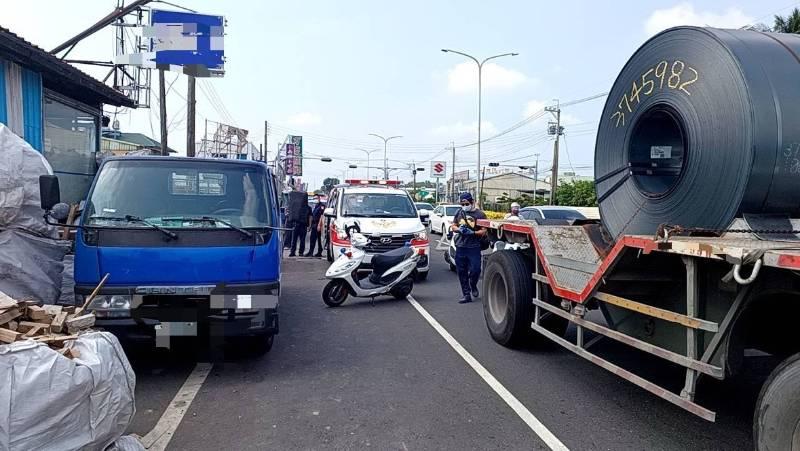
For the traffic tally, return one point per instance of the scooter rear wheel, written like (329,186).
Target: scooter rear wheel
(403,289)
(335,293)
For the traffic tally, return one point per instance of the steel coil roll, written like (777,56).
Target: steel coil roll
(701,125)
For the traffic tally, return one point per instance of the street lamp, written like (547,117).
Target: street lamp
(385,163)
(480,69)
(368,152)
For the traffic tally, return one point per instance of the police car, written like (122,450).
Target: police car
(386,215)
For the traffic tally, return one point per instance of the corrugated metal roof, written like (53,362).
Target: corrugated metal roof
(57,74)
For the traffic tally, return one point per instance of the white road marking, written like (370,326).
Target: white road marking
(159,437)
(536,426)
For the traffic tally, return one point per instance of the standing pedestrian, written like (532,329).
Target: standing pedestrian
(303,219)
(289,225)
(468,246)
(514,213)
(316,231)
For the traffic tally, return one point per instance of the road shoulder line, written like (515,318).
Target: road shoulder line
(533,423)
(160,436)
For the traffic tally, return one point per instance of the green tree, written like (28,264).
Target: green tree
(329,183)
(579,193)
(788,24)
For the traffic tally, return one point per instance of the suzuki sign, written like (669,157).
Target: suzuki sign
(438,169)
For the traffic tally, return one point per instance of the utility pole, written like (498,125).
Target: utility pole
(535,177)
(162,111)
(414,183)
(266,147)
(453,174)
(190,114)
(261,152)
(556,130)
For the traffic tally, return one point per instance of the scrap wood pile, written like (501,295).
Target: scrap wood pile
(49,324)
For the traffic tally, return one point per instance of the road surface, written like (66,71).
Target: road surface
(381,376)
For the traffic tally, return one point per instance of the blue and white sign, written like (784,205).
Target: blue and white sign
(183,42)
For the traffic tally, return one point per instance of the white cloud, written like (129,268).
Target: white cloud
(304,118)
(685,14)
(463,77)
(460,130)
(533,107)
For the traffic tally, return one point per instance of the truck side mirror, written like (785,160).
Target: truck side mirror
(49,193)
(328,212)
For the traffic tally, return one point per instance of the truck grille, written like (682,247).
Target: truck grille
(377,245)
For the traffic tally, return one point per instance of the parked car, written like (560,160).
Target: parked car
(550,212)
(442,217)
(425,211)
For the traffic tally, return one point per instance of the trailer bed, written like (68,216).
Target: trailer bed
(575,265)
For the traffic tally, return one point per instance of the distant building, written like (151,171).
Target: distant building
(56,108)
(569,177)
(120,143)
(509,184)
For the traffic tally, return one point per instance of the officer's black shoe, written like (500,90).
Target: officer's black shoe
(465,300)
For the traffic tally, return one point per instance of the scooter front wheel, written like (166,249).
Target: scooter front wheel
(335,293)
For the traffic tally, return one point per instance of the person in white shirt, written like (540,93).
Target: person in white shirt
(514,214)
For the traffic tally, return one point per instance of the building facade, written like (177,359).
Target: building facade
(56,108)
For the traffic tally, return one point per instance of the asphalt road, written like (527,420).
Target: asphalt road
(379,376)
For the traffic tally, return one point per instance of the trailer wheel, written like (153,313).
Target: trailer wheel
(776,423)
(507,302)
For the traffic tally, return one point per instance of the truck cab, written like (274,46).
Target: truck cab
(189,246)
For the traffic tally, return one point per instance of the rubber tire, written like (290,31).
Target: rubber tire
(444,230)
(777,416)
(329,252)
(399,295)
(262,344)
(327,297)
(421,276)
(515,327)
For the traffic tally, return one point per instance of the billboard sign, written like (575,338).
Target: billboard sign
(438,169)
(183,42)
(461,176)
(294,155)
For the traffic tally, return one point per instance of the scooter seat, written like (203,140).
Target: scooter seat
(382,262)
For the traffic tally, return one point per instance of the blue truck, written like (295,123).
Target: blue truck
(190,246)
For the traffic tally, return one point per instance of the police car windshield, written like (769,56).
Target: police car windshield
(378,205)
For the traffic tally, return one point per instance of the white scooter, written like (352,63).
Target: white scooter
(391,271)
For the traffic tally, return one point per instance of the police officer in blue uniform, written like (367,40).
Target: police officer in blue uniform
(468,246)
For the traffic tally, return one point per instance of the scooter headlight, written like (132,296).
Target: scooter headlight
(421,235)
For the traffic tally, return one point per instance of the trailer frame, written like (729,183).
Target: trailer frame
(563,263)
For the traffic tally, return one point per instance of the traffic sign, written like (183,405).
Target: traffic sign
(438,169)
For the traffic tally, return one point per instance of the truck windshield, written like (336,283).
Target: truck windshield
(179,194)
(378,205)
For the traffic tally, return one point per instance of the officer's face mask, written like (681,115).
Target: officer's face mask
(467,207)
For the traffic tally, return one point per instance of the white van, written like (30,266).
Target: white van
(386,215)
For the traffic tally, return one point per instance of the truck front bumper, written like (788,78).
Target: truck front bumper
(224,311)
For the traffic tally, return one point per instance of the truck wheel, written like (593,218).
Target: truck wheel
(421,276)
(329,252)
(508,301)
(776,423)
(262,344)
(334,293)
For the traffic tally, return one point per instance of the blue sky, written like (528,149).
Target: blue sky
(336,71)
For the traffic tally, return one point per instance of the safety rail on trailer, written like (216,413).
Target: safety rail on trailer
(571,263)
